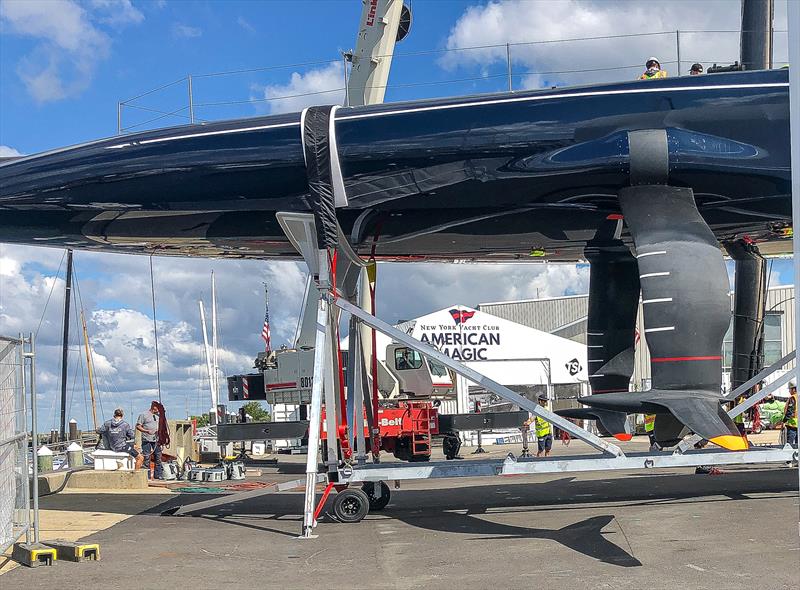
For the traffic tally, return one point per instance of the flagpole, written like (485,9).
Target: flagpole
(265,330)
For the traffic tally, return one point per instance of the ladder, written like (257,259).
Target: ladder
(420,413)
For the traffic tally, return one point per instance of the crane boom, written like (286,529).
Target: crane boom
(372,58)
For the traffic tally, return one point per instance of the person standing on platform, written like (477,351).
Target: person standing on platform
(544,431)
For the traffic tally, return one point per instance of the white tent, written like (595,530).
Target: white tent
(507,352)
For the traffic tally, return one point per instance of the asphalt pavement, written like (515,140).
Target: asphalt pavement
(653,530)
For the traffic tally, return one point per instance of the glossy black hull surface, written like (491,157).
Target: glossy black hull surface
(486,178)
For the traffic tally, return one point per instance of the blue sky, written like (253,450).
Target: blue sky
(169,40)
(83,57)
(65,64)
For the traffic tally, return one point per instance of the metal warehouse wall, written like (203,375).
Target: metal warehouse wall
(547,315)
(566,316)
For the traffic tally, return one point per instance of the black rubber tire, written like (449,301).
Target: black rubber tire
(376,504)
(350,505)
(451,444)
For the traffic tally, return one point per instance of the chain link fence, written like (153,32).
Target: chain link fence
(15,515)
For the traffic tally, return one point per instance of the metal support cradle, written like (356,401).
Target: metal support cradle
(300,230)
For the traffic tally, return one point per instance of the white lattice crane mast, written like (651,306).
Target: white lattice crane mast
(383,23)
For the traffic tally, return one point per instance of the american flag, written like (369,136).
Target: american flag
(265,330)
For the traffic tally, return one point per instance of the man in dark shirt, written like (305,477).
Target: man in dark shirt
(118,436)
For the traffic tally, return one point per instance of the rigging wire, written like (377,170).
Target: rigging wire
(79,300)
(85,401)
(44,311)
(75,347)
(155,327)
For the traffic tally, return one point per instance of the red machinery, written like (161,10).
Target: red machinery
(405,430)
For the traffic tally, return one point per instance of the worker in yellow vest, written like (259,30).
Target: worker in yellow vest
(544,431)
(739,420)
(790,415)
(649,429)
(653,70)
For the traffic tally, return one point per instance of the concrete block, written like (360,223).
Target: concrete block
(109,480)
(75,551)
(33,554)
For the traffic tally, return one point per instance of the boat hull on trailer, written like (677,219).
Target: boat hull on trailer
(486,178)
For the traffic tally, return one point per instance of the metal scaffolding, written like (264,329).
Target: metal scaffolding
(341,470)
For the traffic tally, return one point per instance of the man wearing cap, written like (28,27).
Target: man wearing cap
(147,424)
(790,415)
(696,69)
(544,431)
(653,70)
(118,436)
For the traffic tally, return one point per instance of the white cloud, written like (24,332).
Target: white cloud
(245,24)
(8,152)
(68,44)
(114,291)
(182,31)
(117,12)
(314,87)
(407,291)
(541,64)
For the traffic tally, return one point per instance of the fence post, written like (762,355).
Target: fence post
(191,98)
(508,62)
(678,49)
(119,118)
(35,433)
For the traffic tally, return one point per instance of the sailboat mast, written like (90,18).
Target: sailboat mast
(215,362)
(208,354)
(89,368)
(65,347)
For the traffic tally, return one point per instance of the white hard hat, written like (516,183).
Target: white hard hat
(792,384)
(652,58)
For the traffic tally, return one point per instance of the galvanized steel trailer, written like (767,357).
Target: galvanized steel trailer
(351,503)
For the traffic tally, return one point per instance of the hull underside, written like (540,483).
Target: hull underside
(522,176)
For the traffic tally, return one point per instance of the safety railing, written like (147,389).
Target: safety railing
(462,70)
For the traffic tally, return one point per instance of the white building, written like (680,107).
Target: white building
(566,317)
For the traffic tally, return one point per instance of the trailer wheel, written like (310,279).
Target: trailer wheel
(351,505)
(451,444)
(377,503)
